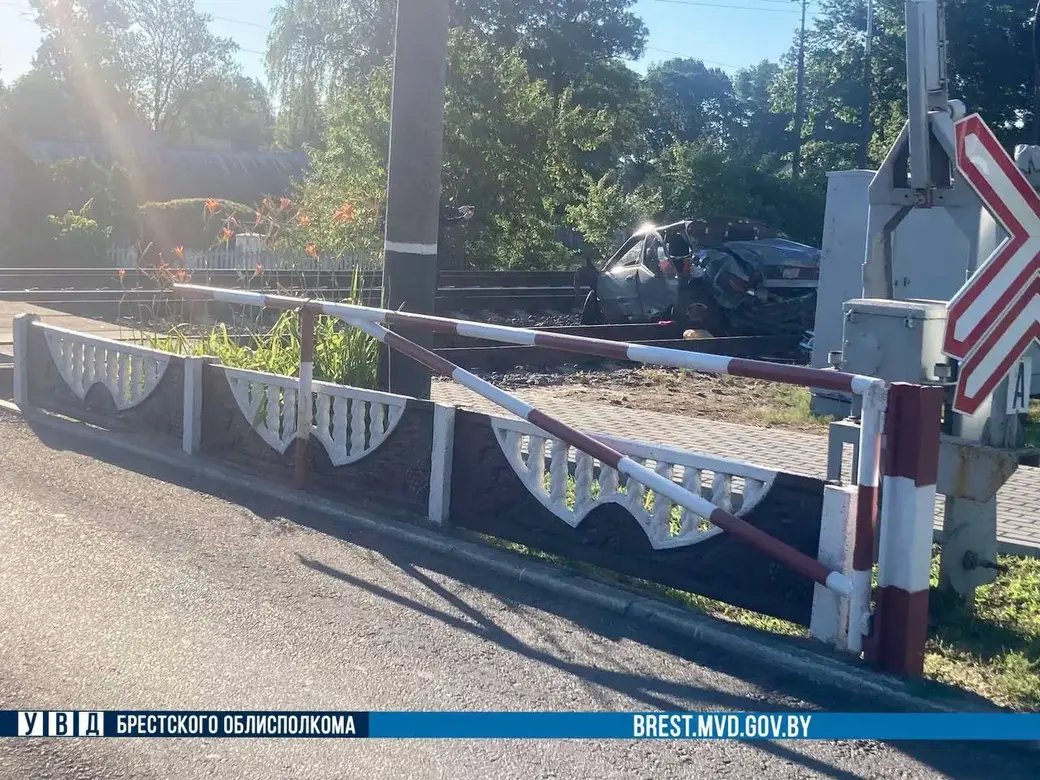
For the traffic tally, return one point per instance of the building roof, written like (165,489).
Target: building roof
(170,172)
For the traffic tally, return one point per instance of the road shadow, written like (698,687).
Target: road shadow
(957,760)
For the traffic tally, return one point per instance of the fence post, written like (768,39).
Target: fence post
(304,398)
(440,463)
(22,323)
(909,473)
(191,428)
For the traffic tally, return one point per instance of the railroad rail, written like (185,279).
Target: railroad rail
(152,279)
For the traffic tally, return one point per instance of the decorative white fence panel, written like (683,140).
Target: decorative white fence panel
(565,481)
(130,372)
(349,422)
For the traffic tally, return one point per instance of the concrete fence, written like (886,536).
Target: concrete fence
(508,478)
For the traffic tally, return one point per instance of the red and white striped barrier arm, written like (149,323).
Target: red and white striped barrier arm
(796,560)
(911,465)
(373,321)
(613,350)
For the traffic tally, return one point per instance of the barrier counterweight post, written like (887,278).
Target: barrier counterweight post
(867,477)
(909,474)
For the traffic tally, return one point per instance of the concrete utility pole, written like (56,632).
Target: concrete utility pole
(414,180)
(799,101)
(1036,75)
(864,144)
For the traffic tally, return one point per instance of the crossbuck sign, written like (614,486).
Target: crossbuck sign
(994,319)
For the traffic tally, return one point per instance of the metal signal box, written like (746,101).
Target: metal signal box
(898,341)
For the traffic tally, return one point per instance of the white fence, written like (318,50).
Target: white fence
(242,259)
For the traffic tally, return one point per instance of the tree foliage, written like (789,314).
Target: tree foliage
(547,127)
(317,47)
(172,54)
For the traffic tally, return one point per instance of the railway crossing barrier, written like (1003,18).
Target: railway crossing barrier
(769,541)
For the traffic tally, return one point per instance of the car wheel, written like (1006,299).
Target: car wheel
(590,312)
(702,314)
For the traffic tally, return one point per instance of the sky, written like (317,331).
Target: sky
(729,34)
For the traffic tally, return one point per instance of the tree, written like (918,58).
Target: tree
(990,67)
(84,48)
(511,149)
(514,150)
(756,132)
(38,106)
(560,41)
(577,46)
(607,209)
(699,180)
(317,47)
(172,54)
(107,188)
(231,108)
(688,102)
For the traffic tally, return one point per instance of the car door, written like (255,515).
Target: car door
(618,285)
(658,281)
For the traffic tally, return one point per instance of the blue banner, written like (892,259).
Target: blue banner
(253,724)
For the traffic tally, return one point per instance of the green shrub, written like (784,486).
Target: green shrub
(342,354)
(77,181)
(193,223)
(77,240)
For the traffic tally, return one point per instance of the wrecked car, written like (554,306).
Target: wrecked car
(726,276)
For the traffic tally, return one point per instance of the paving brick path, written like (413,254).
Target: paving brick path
(1018,521)
(105,330)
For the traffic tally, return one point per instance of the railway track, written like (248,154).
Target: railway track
(485,356)
(105,304)
(14,279)
(102,294)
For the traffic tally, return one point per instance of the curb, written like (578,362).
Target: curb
(738,640)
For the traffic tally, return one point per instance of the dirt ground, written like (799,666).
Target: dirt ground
(726,398)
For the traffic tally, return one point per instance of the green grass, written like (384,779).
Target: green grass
(342,354)
(1033,425)
(791,406)
(993,649)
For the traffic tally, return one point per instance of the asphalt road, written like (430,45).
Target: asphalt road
(130,586)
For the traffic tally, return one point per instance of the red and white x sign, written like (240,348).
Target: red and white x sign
(993,320)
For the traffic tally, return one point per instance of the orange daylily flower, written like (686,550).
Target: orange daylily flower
(259,219)
(283,203)
(311,250)
(259,268)
(179,251)
(212,206)
(345,213)
(226,234)
(120,274)
(304,219)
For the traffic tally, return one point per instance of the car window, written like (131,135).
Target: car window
(650,256)
(631,257)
